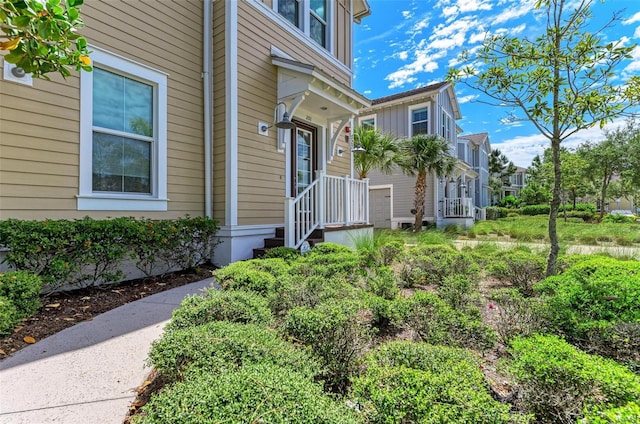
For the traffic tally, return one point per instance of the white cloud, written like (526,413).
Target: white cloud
(467,99)
(407,14)
(637,33)
(403,55)
(633,68)
(513,12)
(635,18)
(522,149)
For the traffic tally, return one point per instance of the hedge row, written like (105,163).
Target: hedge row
(87,252)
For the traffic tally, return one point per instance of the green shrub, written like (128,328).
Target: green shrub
(262,276)
(9,317)
(518,268)
(391,251)
(495,212)
(415,382)
(381,281)
(557,381)
(535,210)
(218,305)
(310,292)
(23,290)
(629,413)
(85,252)
(289,254)
(19,298)
(459,292)
(509,201)
(328,260)
(516,315)
(252,394)
(585,216)
(438,323)
(337,333)
(432,264)
(618,219)
(221,345)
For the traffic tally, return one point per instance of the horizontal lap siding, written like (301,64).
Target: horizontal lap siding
(39,125)
(261,168)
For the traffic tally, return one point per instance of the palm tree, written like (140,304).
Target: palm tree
(425,154)
(380,151)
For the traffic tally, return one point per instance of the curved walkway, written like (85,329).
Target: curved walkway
(87,373)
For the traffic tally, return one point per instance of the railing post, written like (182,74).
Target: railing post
(321,199)
(366,200)
(289,232)
(346,200)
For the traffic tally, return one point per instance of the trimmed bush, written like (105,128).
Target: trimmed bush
(289,254)
(222,345)
(438,323)
(19,298)
(618,219)
(558,382)
(417,382)
(495,212)
(629,413)
(382,282)
(432,264)
(251,394)
(518,268)
(328,260)
(516,315)
(535,210)
(262,276)
(9,317)
(337,333)
(217,305)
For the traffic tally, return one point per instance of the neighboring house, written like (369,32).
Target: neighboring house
(432,109)
(177,116)
(516,182)
(474,149)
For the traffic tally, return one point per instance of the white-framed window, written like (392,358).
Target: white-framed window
(312,17)
(447,126)
(123,136)
(419,119)
(368,121)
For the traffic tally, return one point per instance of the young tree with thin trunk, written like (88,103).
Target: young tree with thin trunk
(380,151)
(421,155)
(563,81)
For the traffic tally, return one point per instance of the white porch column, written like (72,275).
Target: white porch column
(346,200)
(366,200)
(321,199)
(289,213)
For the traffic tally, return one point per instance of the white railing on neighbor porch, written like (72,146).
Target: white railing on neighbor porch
(481,214)
(458,207)
(328,200)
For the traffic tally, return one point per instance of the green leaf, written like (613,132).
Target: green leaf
(74,3)
(73,13)
(21,21)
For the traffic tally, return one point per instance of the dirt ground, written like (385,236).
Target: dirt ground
(63,310)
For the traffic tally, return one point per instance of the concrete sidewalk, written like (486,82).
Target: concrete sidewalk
(87,373)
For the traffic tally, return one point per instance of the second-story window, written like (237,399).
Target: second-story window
(290,10)
(447,126)
(309,16)
(419,121)
(318,22)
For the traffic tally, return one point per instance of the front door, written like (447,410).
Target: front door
(303,158)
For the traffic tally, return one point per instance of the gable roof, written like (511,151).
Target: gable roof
(476,139)
(411,93)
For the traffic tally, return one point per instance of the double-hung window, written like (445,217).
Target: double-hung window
(368,122)
(447,126)
(309,16)
(419,119)
(123,145)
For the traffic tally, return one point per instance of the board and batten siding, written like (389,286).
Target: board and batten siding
(39,125)
(261,168)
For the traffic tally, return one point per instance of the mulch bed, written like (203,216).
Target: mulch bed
(62,310)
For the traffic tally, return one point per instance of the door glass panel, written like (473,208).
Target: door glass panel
(304,159)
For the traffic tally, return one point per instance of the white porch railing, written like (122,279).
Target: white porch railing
(458,207)
(481,214)
(328,200)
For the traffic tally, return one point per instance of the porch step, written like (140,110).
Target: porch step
(317,236)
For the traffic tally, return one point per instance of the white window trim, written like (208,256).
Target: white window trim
(305,23)
(157,200)
(451,124)
(368,117)
(429,118)
(328,53)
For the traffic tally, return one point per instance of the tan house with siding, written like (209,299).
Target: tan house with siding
(178,118)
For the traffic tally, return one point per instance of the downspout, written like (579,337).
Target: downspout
(207,79)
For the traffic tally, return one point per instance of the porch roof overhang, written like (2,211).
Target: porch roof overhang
(463,168)
(317,97)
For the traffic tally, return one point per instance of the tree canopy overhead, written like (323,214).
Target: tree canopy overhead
(41,36)
(563,81)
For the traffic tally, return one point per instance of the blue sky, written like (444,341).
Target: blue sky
(406,44)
